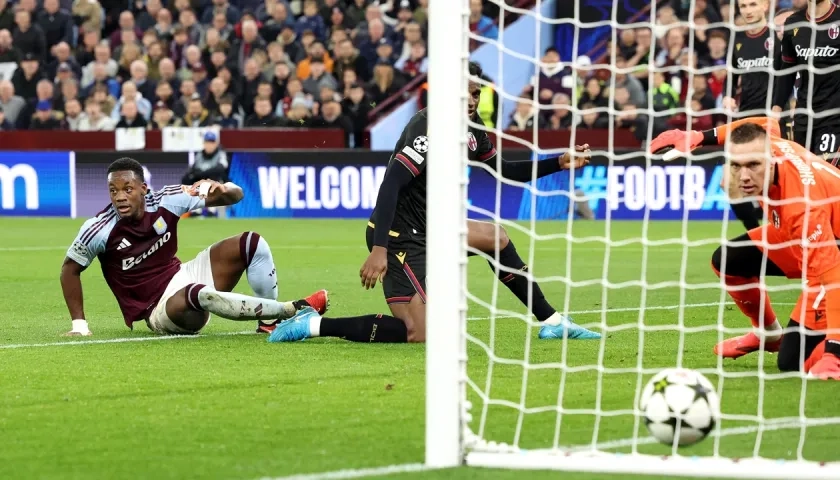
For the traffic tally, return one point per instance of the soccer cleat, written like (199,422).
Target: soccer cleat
(736,347)
(319,300)
(826,368)
(568,328)
(294,329)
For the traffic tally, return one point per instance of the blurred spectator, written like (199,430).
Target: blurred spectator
(357,107)
(140,77)
(130,117)
(318,77)
(592,94)
(263,115)
(591,118)
(385,52)
(5,125)
(63,57)
(126,24)
(73,114)
(11,104)
(276,22)
(162,117)
(130,94)
(46,118)
(8,53)
(412,35)
(250,82)
(27,76)
(638,95)
(94,119)
(210,163)
(27,37)
(7,15)
(250,43)
(383,85)
(355,13)
(560,116)
(480,24)
(221,7)
(347,57)
(311,21)
(315,52)
(56,24)
(147,18)
(195,33)
(664,96)
(525,116)
(228,117)
(68,89)
(197,115)
(102,55)
(164,28)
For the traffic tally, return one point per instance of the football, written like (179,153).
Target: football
(679,406)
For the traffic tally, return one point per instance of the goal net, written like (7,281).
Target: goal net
(622,245)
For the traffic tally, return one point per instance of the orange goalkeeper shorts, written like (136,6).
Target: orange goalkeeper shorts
(810,307)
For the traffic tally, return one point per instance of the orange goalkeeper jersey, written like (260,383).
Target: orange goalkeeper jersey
(802,203)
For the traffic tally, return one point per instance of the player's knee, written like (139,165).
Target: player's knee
(787,363)
(249,246)
(717,259)
(504,240)
(416,333)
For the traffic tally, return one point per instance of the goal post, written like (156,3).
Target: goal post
(446,236)
(637,272)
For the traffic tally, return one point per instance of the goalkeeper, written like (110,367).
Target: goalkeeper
(396,238)
(796,189)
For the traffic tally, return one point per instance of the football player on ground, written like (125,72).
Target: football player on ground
(816,123)
(396,239)
(136,239)
(799,192)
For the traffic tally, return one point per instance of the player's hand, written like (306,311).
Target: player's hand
(374,267)
(730,104)
(577,158)
(80,329)
(680,140)
(214,186)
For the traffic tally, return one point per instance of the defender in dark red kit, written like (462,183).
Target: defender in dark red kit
(136,241)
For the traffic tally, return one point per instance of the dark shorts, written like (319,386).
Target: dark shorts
(824,140)
(406,274)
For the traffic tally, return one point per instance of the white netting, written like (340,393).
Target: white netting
(622,245)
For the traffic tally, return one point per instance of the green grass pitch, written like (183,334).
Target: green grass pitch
(233,406)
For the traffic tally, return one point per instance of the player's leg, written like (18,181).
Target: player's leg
(802,345)
(485,237)
(404,286)
(741,264)
(249,253)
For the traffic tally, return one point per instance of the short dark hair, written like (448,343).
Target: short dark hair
(475,69)
(746,133)
(126,164)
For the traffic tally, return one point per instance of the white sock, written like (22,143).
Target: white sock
(235,306)
(315,327)
(555,319)
(262,276)
(771,332)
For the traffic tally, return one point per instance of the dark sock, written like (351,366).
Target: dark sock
(518,284)
(748,213)
(366,328)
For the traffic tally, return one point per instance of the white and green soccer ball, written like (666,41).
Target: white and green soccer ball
(680,406)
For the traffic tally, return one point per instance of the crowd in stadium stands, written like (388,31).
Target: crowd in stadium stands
(582,100)
(104,64)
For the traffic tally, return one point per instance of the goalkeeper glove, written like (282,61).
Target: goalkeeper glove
(675,143)
(80,328)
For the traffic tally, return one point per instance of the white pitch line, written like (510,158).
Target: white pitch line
(121,340)
(362,472)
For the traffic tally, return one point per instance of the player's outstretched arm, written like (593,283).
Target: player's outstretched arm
(71,287)
(216,194)
(523,170)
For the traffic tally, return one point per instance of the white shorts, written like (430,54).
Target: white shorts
(197,270)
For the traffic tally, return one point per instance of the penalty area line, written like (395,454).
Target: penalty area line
(357,473)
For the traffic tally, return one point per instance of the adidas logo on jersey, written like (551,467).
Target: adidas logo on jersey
(123,244)
(816,52)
